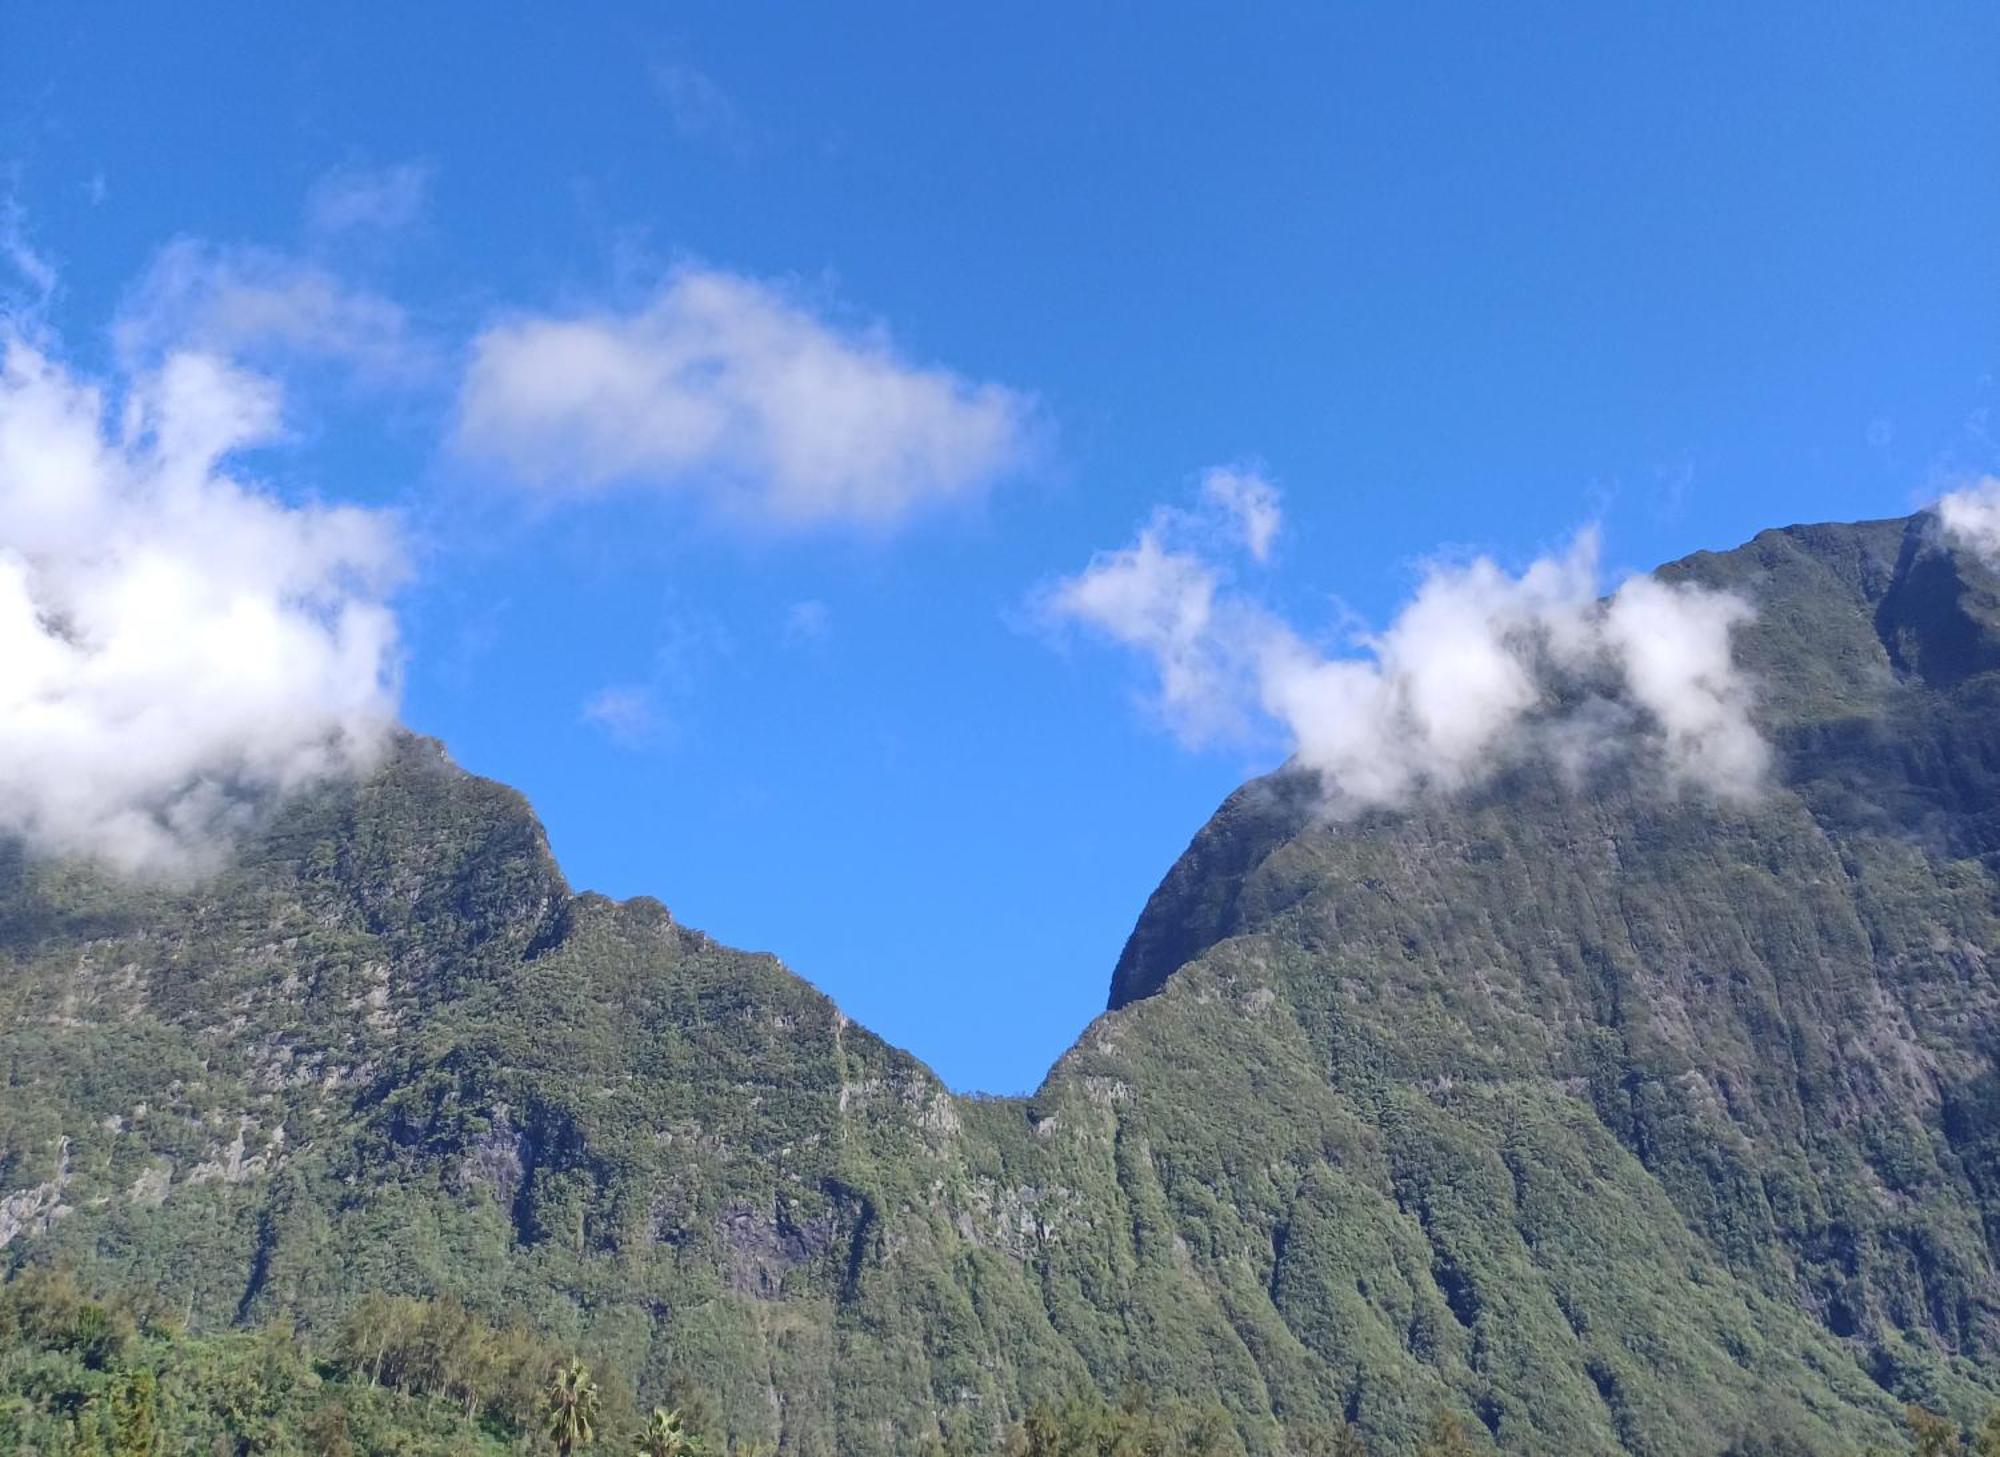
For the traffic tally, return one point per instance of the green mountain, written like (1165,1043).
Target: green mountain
(1610,1117)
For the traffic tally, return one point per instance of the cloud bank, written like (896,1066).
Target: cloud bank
(724,388)
(1466,676)
(178,644)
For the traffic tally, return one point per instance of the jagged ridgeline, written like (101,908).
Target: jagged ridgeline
(1609,1117)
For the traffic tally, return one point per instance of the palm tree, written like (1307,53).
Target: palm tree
(666,1437)
(569,1410)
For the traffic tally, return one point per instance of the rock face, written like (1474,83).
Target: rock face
(1616,1119)
(31,1210)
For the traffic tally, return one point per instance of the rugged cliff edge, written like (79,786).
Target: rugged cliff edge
(1614,1117)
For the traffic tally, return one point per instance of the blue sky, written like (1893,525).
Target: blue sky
(1449,278)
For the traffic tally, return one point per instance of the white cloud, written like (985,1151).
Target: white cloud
(1164,602)
(627,713)
(259,304)
(1972,516)
(20,257)
(1251,502)
(1460,681)
(1672,640)
(725,388)
(383,199)
(1440,692)
(178,643)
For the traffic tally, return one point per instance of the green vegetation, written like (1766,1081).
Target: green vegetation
(667,1436)
(87,1377)
(1600,1118)
(101,1376)
(569,1409)
(1089,1426)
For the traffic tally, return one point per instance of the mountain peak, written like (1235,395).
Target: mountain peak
(1614,1115)
(1852,624)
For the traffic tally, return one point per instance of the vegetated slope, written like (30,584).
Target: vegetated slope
(1779,1017)
(84,1377)
(1611,1116)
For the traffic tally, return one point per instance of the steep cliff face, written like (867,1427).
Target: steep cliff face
(1782,1012)
(1613,1117)
(391,1050)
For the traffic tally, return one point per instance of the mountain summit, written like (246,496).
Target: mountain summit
(1609,1114)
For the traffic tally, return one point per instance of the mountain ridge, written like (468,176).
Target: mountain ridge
(1611,1118)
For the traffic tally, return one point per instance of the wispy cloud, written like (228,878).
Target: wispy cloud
(261,304)
(20,258)
(699,106)
(808,622)
(727,389)
(1461,680)
(655,705)
(379,199)
(1249,501)
(628,713)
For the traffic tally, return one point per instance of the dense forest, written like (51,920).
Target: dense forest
(1555,1116)
(84,1375)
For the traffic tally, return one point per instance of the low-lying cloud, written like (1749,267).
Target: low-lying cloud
(1971,516)
(1672,642)
(725,388)
(1479,666)
(179,644)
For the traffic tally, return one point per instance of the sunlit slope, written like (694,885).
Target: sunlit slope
(1609,1116)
